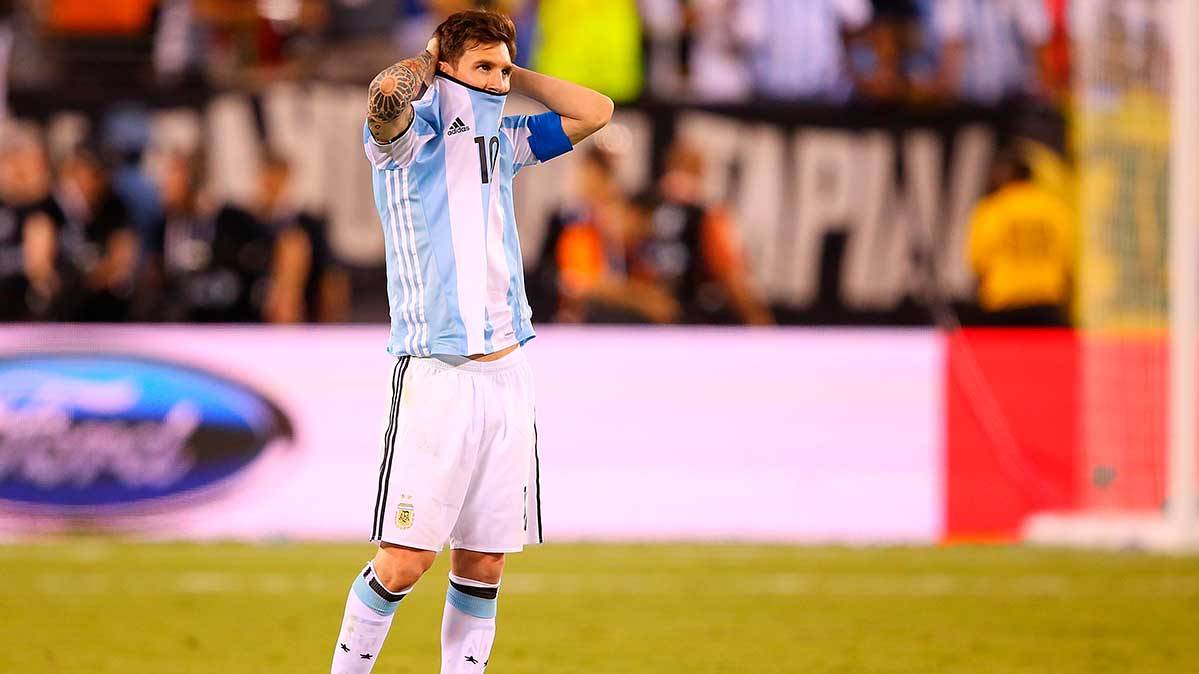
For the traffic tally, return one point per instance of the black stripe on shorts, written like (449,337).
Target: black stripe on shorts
(389,436)
(537,481)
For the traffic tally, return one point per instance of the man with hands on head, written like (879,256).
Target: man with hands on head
(443,156)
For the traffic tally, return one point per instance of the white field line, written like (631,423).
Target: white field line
(763,584)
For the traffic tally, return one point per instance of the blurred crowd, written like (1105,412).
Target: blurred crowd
(663,256)
(98,231)
(89,236)
(713,51)
(104,232)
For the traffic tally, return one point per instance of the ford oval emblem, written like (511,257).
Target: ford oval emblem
(86,433)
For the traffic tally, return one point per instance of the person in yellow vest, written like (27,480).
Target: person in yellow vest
(1022,249)
(596,44)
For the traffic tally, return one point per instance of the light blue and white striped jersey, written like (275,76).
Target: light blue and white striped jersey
(455,279)
(1001,38)
(800,53)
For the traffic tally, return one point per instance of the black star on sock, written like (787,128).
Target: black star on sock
(345,648)
(471,659)
(485,662)
(365,656)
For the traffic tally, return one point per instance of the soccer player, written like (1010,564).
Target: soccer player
(459,451)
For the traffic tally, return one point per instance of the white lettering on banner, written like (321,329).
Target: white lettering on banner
(336,150)
(759,199)
(840,180)
(846,182)
(788,190)
(44,445)
(877,269)
(923,204)
(827,197)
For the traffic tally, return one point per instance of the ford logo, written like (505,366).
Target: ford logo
(87,433)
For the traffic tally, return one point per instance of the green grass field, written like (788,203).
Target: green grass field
(99,607)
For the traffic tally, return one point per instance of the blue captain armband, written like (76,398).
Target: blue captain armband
(546,137)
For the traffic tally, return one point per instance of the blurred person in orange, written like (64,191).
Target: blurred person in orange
(592,254)
(693,247)
(1022,249)
(100,17)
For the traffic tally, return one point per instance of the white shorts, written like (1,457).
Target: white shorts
(460,456)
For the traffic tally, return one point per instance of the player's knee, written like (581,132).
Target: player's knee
(399,568)
(484,567)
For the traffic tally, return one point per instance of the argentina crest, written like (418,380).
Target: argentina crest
(404,516)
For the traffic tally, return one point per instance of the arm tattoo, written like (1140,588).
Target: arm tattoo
(394,89)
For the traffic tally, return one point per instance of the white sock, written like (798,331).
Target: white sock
(467,626)
(369,610)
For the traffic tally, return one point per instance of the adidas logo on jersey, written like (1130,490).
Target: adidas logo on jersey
(458,126)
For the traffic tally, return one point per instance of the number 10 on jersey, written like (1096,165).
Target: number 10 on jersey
(489,152)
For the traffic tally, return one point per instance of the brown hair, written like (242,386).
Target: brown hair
(473,28)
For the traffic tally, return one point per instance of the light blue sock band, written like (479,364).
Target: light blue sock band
(476,606)
(367,595)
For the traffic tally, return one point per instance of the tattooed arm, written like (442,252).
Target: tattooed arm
(389,101)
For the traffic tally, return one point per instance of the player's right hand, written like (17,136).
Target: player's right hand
(434,48)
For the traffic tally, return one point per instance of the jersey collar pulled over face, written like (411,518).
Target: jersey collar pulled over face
(445,76)
(465,108)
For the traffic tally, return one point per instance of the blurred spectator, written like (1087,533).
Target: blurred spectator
(692,248)
(97,242)
(1021,247)
(357,35)
(1058,65)
(107,17)
(111,41)
(6,37)
(180,249)
(595,44)
(269,262)
(350,19)
(803,50)
(664,258)
(178,46)
(591,251)
(258,42)
(990,49)
(277,245)
(126,135)
(419,18)
(213,267)
(701,48)
(881,51)
(29,281)
(1128,47)
(305,284)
